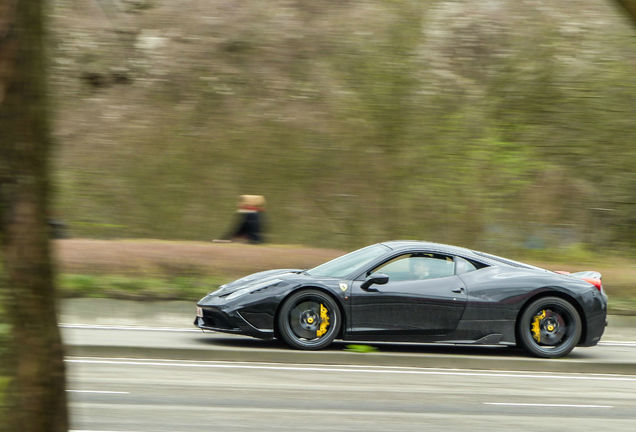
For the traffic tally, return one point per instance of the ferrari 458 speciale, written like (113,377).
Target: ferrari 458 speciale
(413,291)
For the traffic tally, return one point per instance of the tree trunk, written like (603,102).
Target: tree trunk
(628,6)
(37,395)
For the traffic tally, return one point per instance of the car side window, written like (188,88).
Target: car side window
(417,267)
(463,266)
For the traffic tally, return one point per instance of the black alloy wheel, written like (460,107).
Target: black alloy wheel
(309,320)
(549,327)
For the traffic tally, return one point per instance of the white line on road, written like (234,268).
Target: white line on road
(618,343)
(332,368)
(547,405)
(97,391)
(390,418)
(140,328)
(353,366)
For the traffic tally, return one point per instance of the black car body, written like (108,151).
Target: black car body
(376,294)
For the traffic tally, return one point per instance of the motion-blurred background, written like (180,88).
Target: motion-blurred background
(502,125)
(505,126)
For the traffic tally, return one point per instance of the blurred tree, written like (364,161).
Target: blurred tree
(37,394)
(630,7)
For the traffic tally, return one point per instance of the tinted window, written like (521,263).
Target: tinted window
(417,267)
(463,266)
(509,261)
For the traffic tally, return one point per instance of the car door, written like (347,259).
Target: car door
(423,297)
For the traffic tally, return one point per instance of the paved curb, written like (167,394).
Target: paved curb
(422,360)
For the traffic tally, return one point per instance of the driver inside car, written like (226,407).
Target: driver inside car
(420,268)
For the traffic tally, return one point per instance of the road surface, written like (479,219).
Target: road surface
(109,394)
(140,378)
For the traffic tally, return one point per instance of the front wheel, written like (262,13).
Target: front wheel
(549,327)
(309,320)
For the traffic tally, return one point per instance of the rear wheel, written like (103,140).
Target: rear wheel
(309,320)
(549,327)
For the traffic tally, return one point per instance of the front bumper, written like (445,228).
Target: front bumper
(215,318)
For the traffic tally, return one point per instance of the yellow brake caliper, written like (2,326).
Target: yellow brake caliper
(324,321)
(536,330)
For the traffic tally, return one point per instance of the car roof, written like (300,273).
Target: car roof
(408,245)
(405,245)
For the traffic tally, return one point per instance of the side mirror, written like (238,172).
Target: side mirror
(374,278)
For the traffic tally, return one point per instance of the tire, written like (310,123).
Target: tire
(549,327)
(303,323)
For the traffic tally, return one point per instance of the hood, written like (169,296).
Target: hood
(257,280)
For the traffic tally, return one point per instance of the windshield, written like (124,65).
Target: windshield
(349,263)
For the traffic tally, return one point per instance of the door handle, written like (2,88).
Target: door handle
(458,290)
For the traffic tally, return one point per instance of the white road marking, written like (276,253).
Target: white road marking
(547,405)
(97,391)
(349,369)
(268,412)
(335,365)
(618,343)
(140,328)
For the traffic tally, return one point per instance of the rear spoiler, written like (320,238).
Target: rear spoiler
(590,276)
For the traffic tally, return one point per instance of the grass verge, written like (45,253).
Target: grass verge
(170,270)
(137,288)
(4,384)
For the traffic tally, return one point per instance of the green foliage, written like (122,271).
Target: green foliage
(136,288)
(4,386)
(622,305)
(4,337)
(577,253)
(4,325)
(362,349)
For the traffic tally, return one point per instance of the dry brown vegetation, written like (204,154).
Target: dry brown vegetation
(166,258)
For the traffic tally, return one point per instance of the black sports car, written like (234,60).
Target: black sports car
(417,292)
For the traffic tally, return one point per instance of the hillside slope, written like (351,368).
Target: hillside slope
(494,124)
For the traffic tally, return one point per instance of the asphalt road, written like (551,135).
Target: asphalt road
(168,395)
